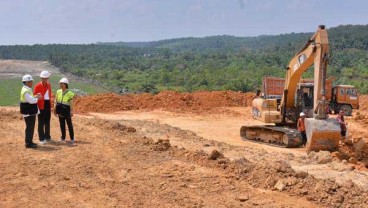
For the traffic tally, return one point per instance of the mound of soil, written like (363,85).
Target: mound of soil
(279,175)
(363,102)
(168,100)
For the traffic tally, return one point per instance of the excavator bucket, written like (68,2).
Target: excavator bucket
(322,135)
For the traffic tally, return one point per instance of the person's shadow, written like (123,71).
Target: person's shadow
(82,142)
(47,148)
(67,143)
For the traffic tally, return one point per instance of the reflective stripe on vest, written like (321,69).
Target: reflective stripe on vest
(23,94)
(64,98)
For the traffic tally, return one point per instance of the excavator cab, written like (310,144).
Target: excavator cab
(304,99)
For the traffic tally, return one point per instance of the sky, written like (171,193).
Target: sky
(91,21)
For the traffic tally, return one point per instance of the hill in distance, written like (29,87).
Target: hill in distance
(209,63)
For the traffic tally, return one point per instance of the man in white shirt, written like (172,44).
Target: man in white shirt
(29,109)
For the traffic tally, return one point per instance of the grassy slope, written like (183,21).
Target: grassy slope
(10,88)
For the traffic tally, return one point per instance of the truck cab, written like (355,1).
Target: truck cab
(341,97)
(344,97)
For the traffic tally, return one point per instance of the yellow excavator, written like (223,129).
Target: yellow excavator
(281,115)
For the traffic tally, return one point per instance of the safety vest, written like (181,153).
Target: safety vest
(23,94)
(63,101)
(25,107)
(64,98)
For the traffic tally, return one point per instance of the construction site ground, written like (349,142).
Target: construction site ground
(166,158)
(173,150)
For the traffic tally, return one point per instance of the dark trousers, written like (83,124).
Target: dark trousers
(30,125)
(44,122)
(68,120)
(304,137)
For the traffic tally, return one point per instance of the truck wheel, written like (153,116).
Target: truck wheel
(348,110)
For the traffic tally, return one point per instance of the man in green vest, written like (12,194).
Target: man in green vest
(29,109)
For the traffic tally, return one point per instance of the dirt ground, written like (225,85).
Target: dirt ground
(167,159)
(224,127)
(111,165)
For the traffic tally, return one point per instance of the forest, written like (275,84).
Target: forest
(209,63)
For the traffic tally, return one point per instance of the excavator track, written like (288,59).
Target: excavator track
(272,135)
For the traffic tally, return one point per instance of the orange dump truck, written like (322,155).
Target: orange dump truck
(343,97)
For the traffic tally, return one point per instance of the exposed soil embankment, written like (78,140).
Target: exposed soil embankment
(168,100)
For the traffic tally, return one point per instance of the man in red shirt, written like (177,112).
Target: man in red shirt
(44,104)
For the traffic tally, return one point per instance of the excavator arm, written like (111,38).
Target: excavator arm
(315,51)
(322,133)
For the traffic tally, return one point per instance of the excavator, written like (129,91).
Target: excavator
(323,133)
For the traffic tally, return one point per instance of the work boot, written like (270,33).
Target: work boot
(32,145)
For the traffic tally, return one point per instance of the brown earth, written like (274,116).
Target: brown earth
(111,165)
(173,150)
(363,102)
(200,101)
(204,102)
(116,164)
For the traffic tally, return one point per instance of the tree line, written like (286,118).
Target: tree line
(210,63)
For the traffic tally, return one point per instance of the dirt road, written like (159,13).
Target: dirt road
(222,126)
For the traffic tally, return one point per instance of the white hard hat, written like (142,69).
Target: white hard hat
(45,74)
(27,78)
(64,80)
(302,114)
